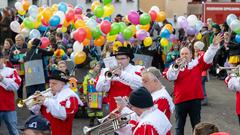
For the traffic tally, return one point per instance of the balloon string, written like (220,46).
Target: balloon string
(20,17)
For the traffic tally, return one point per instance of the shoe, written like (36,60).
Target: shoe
(204,102)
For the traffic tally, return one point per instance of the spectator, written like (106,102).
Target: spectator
(4,24)
(8,43)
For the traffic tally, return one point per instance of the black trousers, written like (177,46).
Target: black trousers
(239,119)
(20,89)
(191,108)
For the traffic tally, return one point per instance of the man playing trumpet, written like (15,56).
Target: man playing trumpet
(125,78)
(59,105)
(188,91)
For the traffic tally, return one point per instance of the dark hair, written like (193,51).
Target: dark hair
(59,35)
(10,41)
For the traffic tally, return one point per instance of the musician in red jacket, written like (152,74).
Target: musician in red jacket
(59,105)
(187,79)
(125,79)
(10,81)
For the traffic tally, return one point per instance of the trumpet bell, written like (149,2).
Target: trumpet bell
(20,103)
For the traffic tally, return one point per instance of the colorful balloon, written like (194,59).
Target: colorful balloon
(168,27)
(99,41)
(28,23)
(192,19)
(145,19)
(62,7)
(80,34)
(165,33)
(99,11)
(133,17)
(153,15)
(115,29)
(120,37)
(105,27)
(147,41)
(25,4)
(123,26)
(127,33)
(161,16)
(111,38)
(77,46)
(108,10)
(45,42)
(155,8)
(237,38)
(79,57)
(15,26)
(94,5)
(18,5)
(105,2)
(230,18)
(89,33)
(79,24)
(54,21)
(199,36)
(141,34)
(86,42)
(164,42)
(70,15)
(34,34)
(96,33)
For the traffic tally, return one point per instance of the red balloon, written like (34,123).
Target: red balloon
(80,34)
(44,22)
(45,42)
(77,17)
(78,11)
(70,15)
(105,27)
(153,15)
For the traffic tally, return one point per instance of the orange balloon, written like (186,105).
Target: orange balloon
(145,27)
(66,23)
(89,34)
(47,13)
(99,41)
(169,27)
(79,24)
(161,16)
(40,9)
(86,42)
(80,57)
(25,4)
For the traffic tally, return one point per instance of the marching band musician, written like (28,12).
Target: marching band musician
(10,81)
(59,105)
(147,119)
(126,78)
(151,80)
(188,91)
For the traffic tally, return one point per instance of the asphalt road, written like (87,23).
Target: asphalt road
(220,111)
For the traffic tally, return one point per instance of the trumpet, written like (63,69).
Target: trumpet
(30,99)
(230,70)
(110,74)
(106,117)
(109,126)
(182,63)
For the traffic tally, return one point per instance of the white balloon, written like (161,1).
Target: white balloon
(192,19)
(33,11)
(18,6)
(25,32)
(235,25)
(61,16)
(155,8)
(15,26)
(77,47)
(34,33)
(230,18)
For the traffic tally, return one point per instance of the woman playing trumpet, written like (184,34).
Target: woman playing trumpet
(59,109)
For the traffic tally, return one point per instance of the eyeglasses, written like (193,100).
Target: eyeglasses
(121,58)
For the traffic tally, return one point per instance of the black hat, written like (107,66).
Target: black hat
(58,75)
(119,15)
(36,42)
(36,122)
(124,51)
(141,98)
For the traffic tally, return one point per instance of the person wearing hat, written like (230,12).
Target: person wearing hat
(36,125)
(151,80)
(188,91)
(10,82)
(146,119)
(125,78)
(59,105)
(89,89)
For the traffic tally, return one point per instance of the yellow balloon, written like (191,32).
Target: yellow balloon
(39,17)
(94,5)
(169,27)
(133,28)
(116,45)
(164,42)
(108,10)
(111,38)
(37,24)
(199,36)
(66,23)
(79,24)
(64,29)
(47,13)
(40,9)
(80,57)
(161,16)
(21,12)
(145,27)
(54,7)
(147,41)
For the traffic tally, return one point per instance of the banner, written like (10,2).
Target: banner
(34,72)
(143,60)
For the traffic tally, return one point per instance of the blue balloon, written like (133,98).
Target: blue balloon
(62,7)
(54,21)
(237,38)
(42,28)
(165,33)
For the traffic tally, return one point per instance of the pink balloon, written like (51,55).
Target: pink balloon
(78,11)
(45,42)
(141,34)
(105,27)
(133,17)
(80,34)
(153,15)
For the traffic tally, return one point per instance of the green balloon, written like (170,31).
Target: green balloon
(145,19)
(28,23)
(127,33)
(123,26)
(105,2)
(115,29)
(99,11)
(96,33)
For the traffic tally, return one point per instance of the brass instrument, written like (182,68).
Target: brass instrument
(109,126)
(180,64)
(31,100)
(109,74)
(230,70)
(106,117)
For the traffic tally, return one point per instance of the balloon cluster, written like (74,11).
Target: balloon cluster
(234,25)
(191,24)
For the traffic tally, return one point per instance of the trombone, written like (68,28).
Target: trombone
(230,70)
(109,126)
(21,103)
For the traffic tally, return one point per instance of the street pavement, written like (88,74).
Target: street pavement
(220,111)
